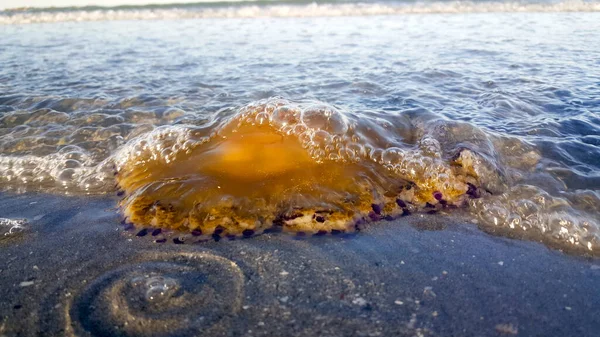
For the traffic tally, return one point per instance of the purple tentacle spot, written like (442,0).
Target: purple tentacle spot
(438,195)
(428,205)
(143,232)
(163,240)
(216,237)
(320,233)
(374,217)
(156,232)
(177,241)
(401,203)
(376,208)
(248,232)
(388,218)
(320,219)
(218,230)
(196,232)
(472,191)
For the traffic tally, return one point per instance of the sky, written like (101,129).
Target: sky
(64,3)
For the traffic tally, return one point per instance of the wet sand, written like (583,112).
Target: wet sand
(74,271)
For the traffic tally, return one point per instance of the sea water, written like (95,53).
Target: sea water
(230,118)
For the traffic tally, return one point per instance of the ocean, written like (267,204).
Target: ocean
(139,128)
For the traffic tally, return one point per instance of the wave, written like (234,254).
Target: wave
(258,9)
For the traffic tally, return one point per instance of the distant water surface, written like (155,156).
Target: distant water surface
(287,8)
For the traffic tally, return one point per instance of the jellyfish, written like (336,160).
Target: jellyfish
(303,168)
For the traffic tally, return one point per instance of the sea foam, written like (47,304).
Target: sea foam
(313,9)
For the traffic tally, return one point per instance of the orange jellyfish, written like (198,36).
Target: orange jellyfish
(304,167)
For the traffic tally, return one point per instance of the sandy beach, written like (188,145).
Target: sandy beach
(75,272)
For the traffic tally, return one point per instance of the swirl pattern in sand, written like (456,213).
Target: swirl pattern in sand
(308,167)
(151,297)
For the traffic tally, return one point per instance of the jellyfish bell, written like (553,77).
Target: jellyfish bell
(252,154)
(244,182)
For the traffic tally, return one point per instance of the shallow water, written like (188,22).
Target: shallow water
(518,91)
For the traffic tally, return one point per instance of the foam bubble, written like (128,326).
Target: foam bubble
(54,151)
(527,211)
(69,172)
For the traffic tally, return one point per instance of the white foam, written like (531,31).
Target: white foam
(283,10)
(160,144)
(10,227)
(528,211)
(55,173)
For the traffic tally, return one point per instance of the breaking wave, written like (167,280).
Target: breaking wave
(255,9)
